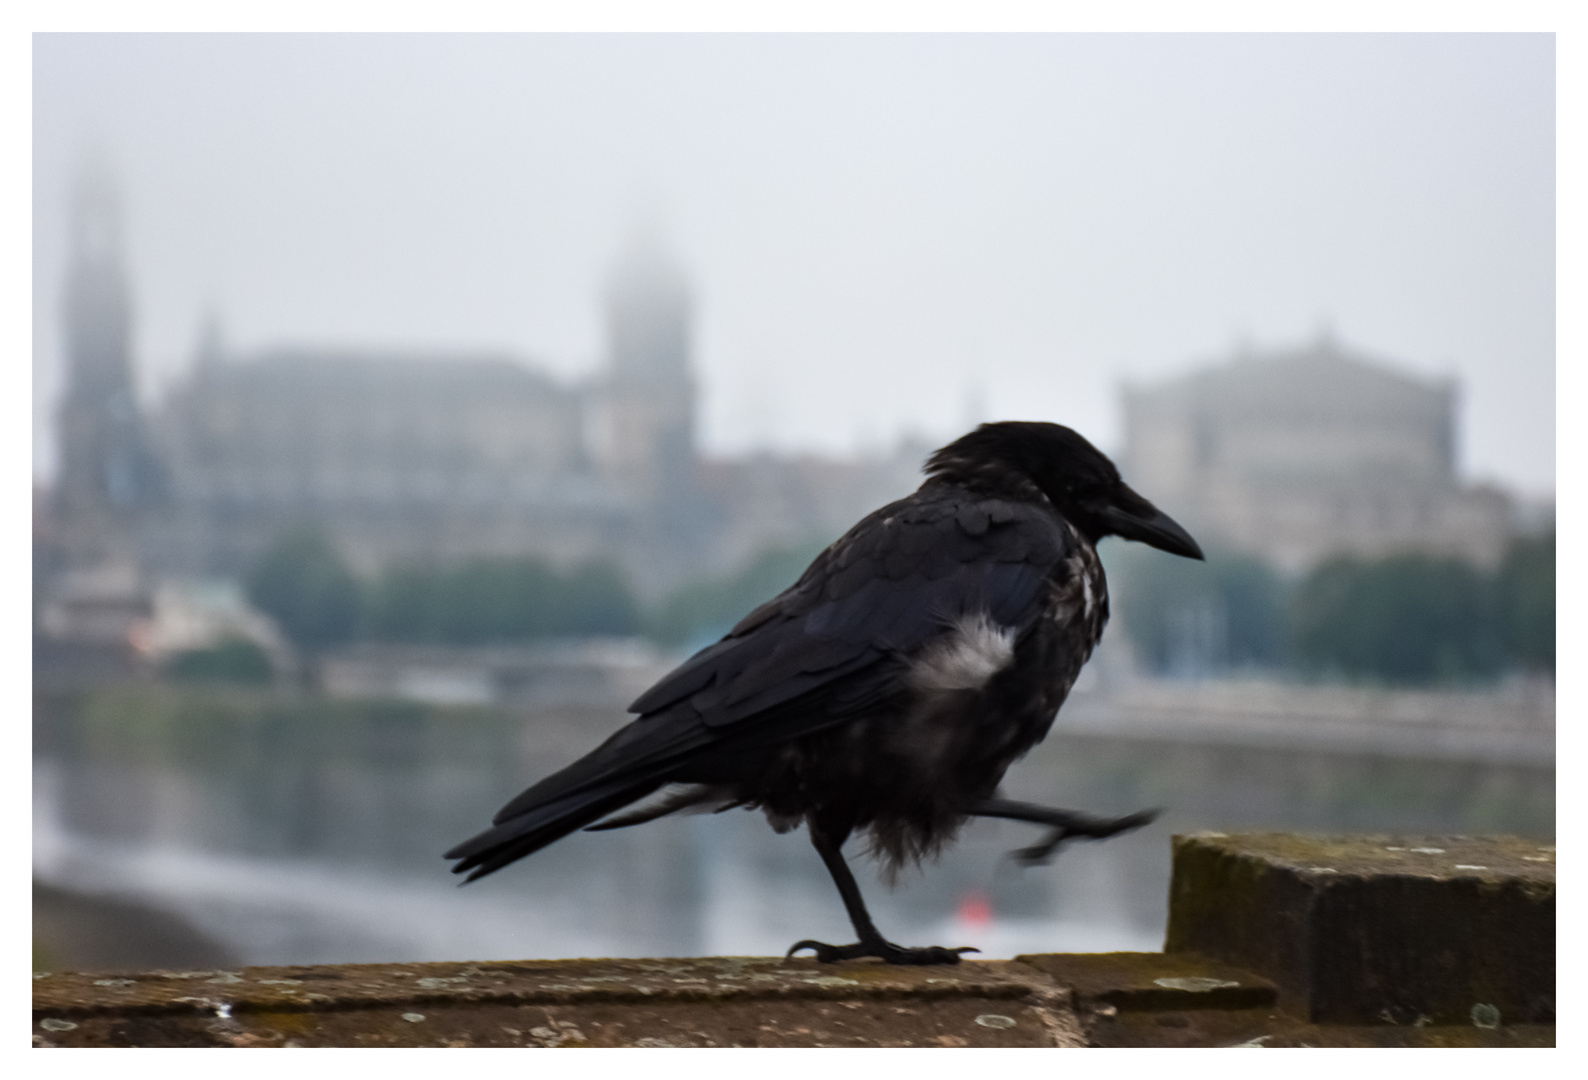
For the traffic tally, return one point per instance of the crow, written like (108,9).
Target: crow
(889,688)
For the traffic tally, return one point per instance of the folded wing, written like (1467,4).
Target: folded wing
(822,652)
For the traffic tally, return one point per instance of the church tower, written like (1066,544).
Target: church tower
(109,475)
(648,441)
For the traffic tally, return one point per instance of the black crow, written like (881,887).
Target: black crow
(891,686)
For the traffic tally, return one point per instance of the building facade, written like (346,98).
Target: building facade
(1300,454)
(433,458)
(418,458)
(402,458)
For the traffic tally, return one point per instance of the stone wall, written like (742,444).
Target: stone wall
(1274,940)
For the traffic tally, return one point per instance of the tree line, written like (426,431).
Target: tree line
(1409,619)
(1406,619)
(304,584)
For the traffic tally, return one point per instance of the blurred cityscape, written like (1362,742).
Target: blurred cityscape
(312,617)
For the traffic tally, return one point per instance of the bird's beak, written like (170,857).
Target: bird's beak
(1130,516)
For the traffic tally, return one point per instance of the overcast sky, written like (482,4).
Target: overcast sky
(885,233)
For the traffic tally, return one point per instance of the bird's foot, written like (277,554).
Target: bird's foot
(1081,828)
(885,951)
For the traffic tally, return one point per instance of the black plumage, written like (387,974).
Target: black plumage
(889,689)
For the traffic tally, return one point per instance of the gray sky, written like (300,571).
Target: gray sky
(882,230)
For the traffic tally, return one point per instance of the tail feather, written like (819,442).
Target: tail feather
(634,762)
(644,747)
(529,832)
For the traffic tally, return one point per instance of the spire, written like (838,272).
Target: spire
(107,466)
(648,312)
(650,391)
(96,224)
(97,309)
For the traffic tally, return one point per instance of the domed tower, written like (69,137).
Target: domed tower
(109,476)
(648,436)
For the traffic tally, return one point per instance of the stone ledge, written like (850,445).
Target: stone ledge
(1403,929)
(1109,999)
(1135,982)
(720,1001)
(1186,1000)
(1274,940)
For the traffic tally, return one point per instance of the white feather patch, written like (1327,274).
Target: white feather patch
(974,651)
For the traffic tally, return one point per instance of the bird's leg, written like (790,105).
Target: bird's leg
(871,942)
(1067,825)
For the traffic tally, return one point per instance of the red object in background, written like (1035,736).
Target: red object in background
(975,909)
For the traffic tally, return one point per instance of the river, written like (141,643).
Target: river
(297,830)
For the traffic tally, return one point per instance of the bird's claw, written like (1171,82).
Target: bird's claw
(1091,829)
(885,951)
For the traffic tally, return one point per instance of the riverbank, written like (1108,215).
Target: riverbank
(75,931)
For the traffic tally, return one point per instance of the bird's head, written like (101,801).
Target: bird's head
(1077,478)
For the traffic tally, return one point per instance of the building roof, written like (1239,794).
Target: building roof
(1320,378)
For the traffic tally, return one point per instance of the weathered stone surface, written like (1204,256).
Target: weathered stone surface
(1183,999)
(1419,930)
(1273,941)
(1161,981)
(1269,1028)
(703,1002)
(1053,1000)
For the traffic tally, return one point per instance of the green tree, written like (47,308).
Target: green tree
(707,609)
(596,599)
(1409,619)
(302,583)
(1187,616)
(499,599)
(1526,583)
(495,600)
(401,605)
(233,661)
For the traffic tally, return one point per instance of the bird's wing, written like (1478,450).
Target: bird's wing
(838,640)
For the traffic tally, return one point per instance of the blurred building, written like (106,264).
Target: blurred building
(402,458)
(643,427)
(411,458)
(111,482)
(1300,454)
